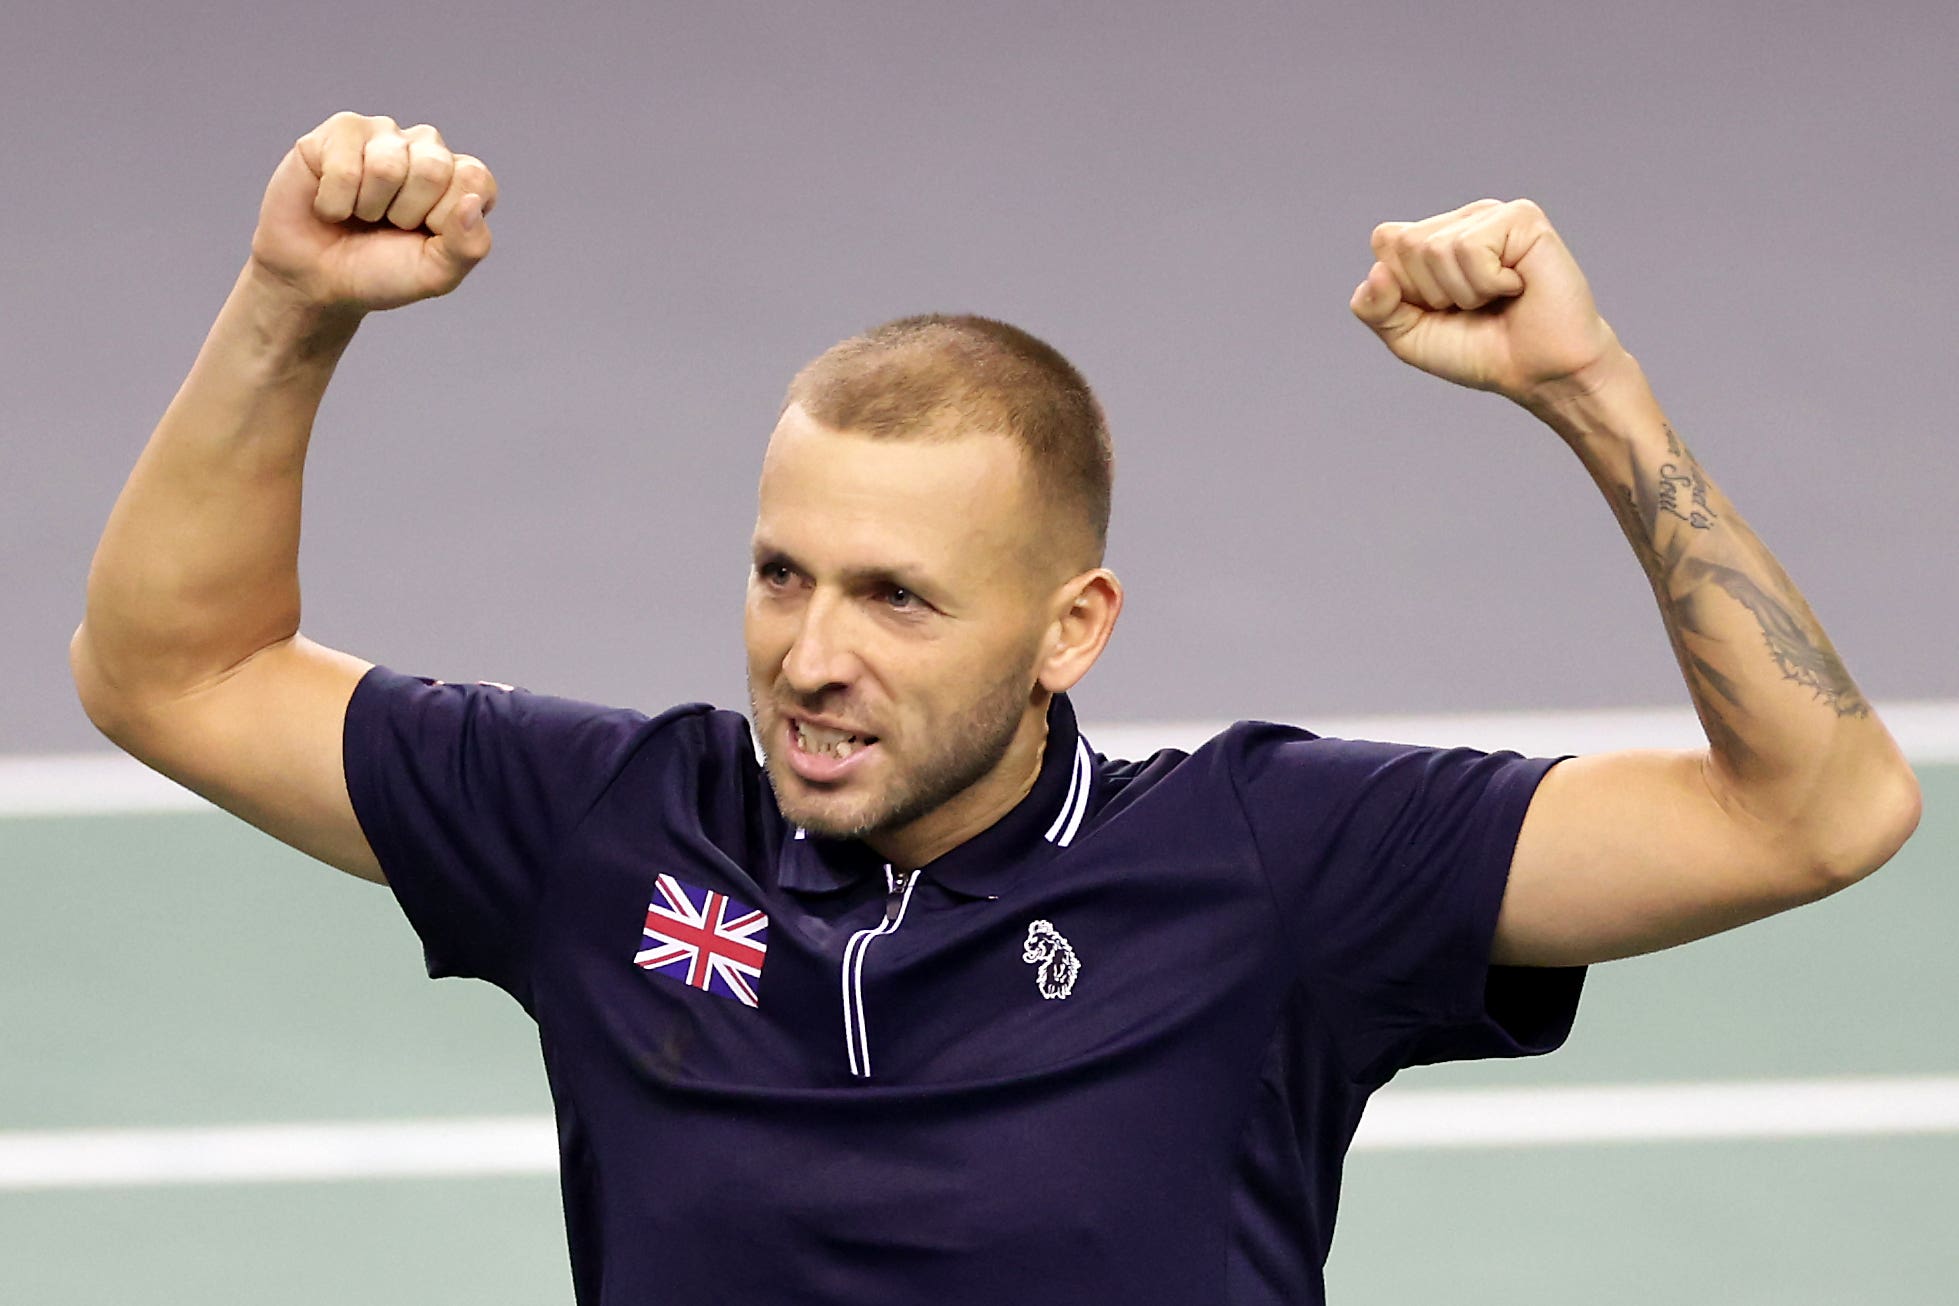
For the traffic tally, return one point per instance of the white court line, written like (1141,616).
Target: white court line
(314,1150)
(1652,1113)
(1397,1120)
(104,783)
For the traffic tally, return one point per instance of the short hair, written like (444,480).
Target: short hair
(940,375)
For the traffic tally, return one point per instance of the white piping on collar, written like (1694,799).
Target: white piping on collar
(1075,806)
(1086,763)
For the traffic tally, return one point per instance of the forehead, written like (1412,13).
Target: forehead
(956,506)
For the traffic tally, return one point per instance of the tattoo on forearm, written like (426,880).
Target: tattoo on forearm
(1673,483)
(1714,693)
(1802,652)
(1684,477)
(1678,489)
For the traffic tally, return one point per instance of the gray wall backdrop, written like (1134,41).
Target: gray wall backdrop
(548,478)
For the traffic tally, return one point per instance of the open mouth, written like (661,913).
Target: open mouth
(821,741)
(824,754)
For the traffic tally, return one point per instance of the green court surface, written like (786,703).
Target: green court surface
(182,969)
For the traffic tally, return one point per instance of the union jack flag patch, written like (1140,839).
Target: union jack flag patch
(704,939)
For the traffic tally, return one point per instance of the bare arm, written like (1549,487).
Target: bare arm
(1800,789)
(189,655)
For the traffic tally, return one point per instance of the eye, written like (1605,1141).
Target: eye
(899,599)
(773,574)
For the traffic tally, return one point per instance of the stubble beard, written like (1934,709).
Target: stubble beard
(966,752)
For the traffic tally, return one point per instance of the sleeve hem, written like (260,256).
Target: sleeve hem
(1533,1007)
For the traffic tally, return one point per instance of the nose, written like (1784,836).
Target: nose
(819,657)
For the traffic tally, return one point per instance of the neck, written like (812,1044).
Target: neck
(976,807)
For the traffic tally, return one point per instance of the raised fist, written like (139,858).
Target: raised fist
(1486,296)
(364,214)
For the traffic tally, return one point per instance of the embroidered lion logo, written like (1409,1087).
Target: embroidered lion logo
(1059,965)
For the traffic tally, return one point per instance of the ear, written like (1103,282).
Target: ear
(1085,616)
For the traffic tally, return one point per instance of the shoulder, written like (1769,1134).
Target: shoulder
(1212,774)
(1250,751)
(1283,777)
(484,720)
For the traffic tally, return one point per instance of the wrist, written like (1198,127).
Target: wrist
(282,327)
(1609,400)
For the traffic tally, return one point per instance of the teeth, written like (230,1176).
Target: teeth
(834,743)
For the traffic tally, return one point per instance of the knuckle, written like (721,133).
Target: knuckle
(429,165)
(387,165)
(472,172)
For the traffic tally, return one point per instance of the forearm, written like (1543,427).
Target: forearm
(1793,743)
(198,566)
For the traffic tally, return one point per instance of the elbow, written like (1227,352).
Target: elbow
(89,687)
(1859,840)
(107,710)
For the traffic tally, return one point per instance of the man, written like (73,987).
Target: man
(933,1003)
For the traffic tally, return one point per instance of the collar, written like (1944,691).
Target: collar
(1045,821)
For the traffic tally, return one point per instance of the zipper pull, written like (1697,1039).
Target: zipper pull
(894,896)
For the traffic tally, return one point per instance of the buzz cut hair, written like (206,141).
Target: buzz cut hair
(940,376)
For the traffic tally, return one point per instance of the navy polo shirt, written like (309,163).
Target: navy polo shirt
(1110,1050)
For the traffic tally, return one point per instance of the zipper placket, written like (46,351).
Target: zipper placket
(856,1034)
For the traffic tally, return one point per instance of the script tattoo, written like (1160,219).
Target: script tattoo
(1684,582)
(1681,477)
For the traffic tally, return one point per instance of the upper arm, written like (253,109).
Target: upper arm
(263,742)
(1630,852)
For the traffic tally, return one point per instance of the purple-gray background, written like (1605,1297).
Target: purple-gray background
(548,478)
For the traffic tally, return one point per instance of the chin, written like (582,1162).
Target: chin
(827,816)
(827,822)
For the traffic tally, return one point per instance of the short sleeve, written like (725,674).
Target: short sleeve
(1389,864)
(467,793)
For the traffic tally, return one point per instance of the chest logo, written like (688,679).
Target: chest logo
(704,939)
(1056,958)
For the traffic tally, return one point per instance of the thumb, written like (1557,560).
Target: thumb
(463,241)
(1377,301)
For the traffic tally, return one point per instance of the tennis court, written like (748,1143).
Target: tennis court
(176,972)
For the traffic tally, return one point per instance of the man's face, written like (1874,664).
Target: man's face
(893,622)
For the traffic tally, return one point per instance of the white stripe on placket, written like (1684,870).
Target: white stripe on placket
(856,1028)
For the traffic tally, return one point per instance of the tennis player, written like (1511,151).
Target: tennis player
(894,989)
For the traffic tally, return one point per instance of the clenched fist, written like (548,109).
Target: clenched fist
(1488,297)
(364,214)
